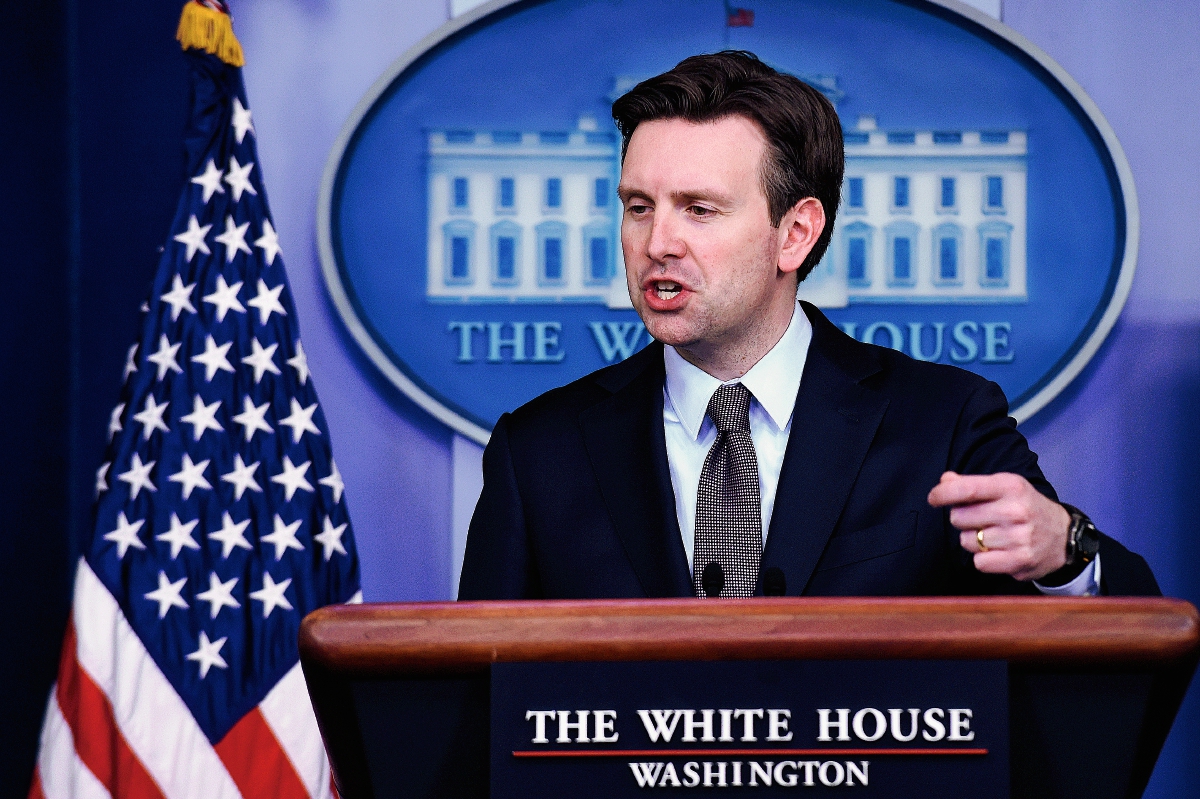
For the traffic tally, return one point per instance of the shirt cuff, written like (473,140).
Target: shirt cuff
(1086,583)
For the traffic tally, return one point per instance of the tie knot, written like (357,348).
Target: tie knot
(729,408)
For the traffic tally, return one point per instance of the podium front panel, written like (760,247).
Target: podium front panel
(403,692)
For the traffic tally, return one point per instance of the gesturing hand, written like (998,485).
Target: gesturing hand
(1011,528)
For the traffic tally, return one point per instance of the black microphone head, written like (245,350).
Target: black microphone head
(712,579)
(773,581)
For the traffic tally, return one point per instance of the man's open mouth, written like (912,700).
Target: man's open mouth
(667,289)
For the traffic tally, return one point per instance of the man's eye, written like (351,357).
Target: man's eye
(700,210)
(637,208)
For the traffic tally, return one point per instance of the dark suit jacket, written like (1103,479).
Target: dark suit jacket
(577,499)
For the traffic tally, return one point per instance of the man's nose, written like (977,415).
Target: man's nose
(666,240)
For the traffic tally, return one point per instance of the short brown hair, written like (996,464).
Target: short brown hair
(805,155)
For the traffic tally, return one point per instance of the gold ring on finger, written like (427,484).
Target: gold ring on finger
(979,539)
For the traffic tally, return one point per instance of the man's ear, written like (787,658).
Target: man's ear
(800,228)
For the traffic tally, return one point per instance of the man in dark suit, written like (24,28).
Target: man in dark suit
(754,447)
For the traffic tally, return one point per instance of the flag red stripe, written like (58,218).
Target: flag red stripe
(98,740)
(259,766)
(35,790)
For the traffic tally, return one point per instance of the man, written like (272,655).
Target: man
(755,448)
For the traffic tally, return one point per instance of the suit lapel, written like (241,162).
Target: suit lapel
(626,445)
(833,424)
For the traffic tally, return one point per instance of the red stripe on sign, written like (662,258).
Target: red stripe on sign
(35,789)
(745,752)
(259,766)
(98,740)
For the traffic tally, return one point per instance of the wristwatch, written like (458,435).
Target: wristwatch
(1083,539)
(1083,542)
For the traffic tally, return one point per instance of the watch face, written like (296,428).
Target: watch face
(1088,543)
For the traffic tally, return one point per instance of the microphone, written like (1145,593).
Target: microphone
(712,580)
(773,581)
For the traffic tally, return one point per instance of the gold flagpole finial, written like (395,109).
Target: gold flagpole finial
(207,26)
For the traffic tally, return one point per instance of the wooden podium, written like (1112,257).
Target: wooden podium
(401,692)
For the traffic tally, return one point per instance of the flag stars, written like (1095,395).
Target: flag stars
(268,242)
(179,536)
(114,421)
(232,534)
(300,420)
(151,417)
(253,418)
(209,654)
(214,358)
(271,594)
(267,301)
(203,417)
(292,478)
(262,359)
(179,298)
(219,594)
(299,362)
(242,478)
(225,298)
(167,594)
(241,120)
(330,538)
(284,537)
(138,476)
(334,481)
(234,238)
(191,476)
(193,238)
(165,357)
(126,536)
(210,180)
(102,477)
(130,364)
(238,179)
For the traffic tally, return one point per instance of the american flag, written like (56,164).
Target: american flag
(220,518)
(738,17)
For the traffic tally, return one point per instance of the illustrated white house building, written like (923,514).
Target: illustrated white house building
(926,216)
(523,217)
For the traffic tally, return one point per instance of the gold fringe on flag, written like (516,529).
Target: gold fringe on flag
(210,30)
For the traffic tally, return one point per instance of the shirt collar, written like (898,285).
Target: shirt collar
(774,380)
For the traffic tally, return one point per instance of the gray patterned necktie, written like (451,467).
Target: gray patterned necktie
(728,509)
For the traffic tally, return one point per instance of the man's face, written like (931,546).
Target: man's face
(701,255)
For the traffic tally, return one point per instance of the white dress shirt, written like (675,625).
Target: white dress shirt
(773,383)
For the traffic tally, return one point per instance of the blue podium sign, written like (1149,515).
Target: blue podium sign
(470,230)
(883,728)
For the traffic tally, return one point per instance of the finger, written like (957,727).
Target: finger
(1005,562)
(972,488)
(969,540)
(947,477)
(976,516)
(997,562)
(994,539)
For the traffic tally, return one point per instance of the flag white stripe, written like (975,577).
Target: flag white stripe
(155,722)
(63,774)
(288,712)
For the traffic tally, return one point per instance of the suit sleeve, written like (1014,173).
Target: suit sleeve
(987,442)
(498,563)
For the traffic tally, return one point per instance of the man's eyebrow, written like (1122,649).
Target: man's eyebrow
(624,193)
(702,195)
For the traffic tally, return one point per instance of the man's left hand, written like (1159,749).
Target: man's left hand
(1024,534)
